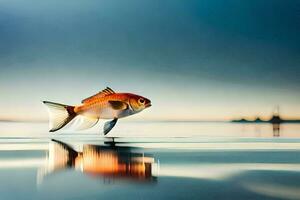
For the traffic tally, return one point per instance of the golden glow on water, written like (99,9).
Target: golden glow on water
(108,162)
(94,162)
(97,160)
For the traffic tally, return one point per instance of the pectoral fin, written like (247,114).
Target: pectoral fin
(109,125)
(118,105)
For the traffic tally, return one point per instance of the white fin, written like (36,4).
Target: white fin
(59,115)
(83,122)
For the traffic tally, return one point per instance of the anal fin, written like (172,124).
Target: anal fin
(83,122)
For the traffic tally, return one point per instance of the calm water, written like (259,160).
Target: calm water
(151,161)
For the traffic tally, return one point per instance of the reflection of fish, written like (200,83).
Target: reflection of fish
(104,105)
(104,161)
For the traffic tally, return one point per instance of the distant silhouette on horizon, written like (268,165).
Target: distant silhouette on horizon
(275,120)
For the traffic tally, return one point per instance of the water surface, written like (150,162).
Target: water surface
(151,161)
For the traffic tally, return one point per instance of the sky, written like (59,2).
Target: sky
(195,59)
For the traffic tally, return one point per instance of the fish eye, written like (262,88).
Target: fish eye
(141,101)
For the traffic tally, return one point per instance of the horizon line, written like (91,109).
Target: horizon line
(126,120)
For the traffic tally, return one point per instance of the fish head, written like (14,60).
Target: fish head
(139,103)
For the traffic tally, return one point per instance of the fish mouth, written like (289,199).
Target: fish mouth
(148,105)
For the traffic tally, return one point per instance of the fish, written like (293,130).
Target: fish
(106,104)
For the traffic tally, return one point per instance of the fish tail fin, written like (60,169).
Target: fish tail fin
(59,115)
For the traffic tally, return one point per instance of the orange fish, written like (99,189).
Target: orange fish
(104,105)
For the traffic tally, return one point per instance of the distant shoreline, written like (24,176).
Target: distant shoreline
(273,120)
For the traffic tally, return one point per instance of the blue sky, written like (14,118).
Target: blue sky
(214,59)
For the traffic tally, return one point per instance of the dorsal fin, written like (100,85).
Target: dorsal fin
(103,93)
